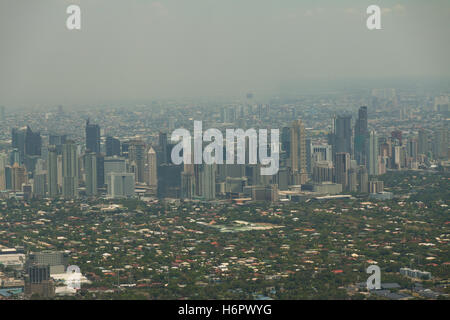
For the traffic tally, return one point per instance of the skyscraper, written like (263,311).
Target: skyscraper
(136,155)
(70,170)
(3,164)
(298,152)
(112,147)
(152,168)
(342,167)
(422,143)
(208,183)
(361,134)
(92,137)
(162,146)
(341,135)
(90,166)
(372,154)
(52,172)
(120,184)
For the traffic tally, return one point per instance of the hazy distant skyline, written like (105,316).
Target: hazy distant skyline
(144,49)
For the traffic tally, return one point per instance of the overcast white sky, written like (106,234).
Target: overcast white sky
(144,49)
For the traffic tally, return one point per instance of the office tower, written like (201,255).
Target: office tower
(57,140)
(352,180)
(208,181)
(112,147)
(169,180)
(163,156)
(114,164)
(38,281)
(92,137)
(298,152)
(265,193)
(70,170)
(136,156)
(56,260)
(27,142)
(120,184)
(397,136)
(152,168)
(187,185)
(18,177)
(372,154)
(376,186)
(39,184)
(342,167)
(33,143)
(412,148)
(321,153)
(14,157)
(440,143)
(423,144)
(286,140)
(100,170)
(363,179)
(3,164)
(90,168)
(18,142)
(361,134)
(323,171)
(396,157)
(341,135)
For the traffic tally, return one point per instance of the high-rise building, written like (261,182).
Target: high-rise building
(423,143)
(112,147)
(39,183)
(92,137)
(18,177)
(33,143)
(323,171)
(363,179)
(162,148)
(114,164)
(52,172)
(412,148)
(18,142)
(298,153)
(376,186)
(136,156)
(3,164)
(70,170)
(100,170)
(342,167)
(372,154)
(152,168)
(120,184)
(208,183)
(341,135)
(57,140)
(90,167)
(361,135)
(440,143)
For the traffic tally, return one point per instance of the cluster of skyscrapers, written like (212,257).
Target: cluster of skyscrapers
(348,161)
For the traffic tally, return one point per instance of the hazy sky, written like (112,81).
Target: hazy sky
(144,49)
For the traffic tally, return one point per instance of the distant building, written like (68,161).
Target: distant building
(342,167)
(417,274)
(112,147)
(92,137)
(70,170)
(90,168)
(120,184)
